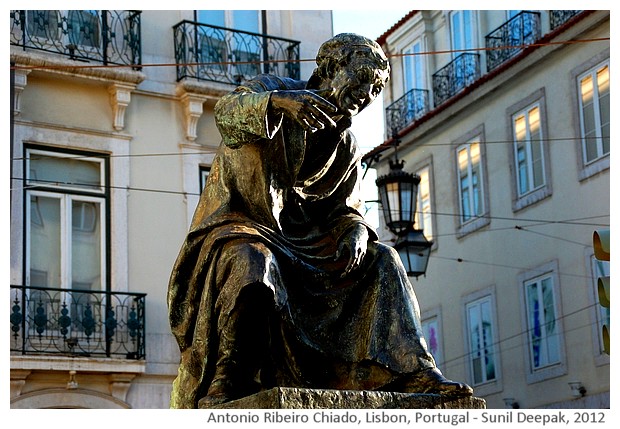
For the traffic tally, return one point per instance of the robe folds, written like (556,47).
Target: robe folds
(277,203)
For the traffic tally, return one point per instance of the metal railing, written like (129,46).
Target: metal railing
(218,54)
(411,106)
(77,322)
(454,77)
(509,39)
(559,17)
(104,36)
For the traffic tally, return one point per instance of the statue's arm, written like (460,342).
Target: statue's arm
(244,116)
(251,112)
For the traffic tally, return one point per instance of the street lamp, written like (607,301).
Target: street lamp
(398,192)
(414,250)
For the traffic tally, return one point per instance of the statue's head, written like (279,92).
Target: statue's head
(348,49)
(355,67)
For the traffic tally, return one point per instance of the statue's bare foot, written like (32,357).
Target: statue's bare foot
(431,380)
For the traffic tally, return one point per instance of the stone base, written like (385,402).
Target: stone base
(296,398)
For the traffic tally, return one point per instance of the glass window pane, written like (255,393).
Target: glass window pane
(535,328)
(212,17)
(86,239)
(457,31)
(431,335)
(67,172)
(246,20)
(83,28)
(45,241)
(551,333)
(487,339)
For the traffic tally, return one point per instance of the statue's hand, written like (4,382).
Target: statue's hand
(356,244)
(306,107)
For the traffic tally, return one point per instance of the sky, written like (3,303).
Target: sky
(368,125)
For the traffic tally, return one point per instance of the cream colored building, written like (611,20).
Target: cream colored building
(505,117)
(112,135)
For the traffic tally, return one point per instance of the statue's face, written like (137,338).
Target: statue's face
(355,87)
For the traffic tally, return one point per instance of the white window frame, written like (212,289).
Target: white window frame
(602,164)
(529,155)
(466,25)
(522,200)
(600,152)
(203,172)
(66,266)
(66,194)
(548,369)
(469,172)
(488,351)
(414,66)
(433,320)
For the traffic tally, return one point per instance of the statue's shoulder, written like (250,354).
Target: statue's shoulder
(271,82)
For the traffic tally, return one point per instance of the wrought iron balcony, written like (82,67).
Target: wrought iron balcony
(411,106)
(104,36)
(509,39)
(218,54)
(77,322)
(456,76)
(559,17)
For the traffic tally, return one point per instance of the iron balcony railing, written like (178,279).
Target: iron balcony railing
(512,37)
(104,36)
(456,76)
(559,17)
(408,108)
(77,322)
(218,54)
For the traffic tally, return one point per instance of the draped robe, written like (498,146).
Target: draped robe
(295,194)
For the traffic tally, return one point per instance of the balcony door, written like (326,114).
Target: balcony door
(77,32)
(231,52)
(65,230)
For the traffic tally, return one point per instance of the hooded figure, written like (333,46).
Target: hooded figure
(281,281)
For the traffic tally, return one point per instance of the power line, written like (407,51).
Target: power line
(42,183)
(288,61)
(208,151)
(453,362)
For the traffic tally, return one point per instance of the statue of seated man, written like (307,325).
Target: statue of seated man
(281,281)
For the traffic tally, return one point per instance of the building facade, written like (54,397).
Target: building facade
(504,115)
(112,136)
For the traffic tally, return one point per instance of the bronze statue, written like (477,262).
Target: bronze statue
(281,281)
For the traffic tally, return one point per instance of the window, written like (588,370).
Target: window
(528,148)
(594,107)
(462,30)
(470,180)
(423,212)
(219,46)
(529,154)
(430,328)
(481,341)
(203,172)
(76,29)
(66,202)
(415,77)
(542,322)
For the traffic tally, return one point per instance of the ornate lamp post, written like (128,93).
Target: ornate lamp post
(398,191)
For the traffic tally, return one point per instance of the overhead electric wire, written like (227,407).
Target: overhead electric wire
(38,183)
(463,358)
(288,61)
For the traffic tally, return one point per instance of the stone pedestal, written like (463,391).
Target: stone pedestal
(294,398)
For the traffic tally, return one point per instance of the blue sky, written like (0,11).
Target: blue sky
(372,23)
